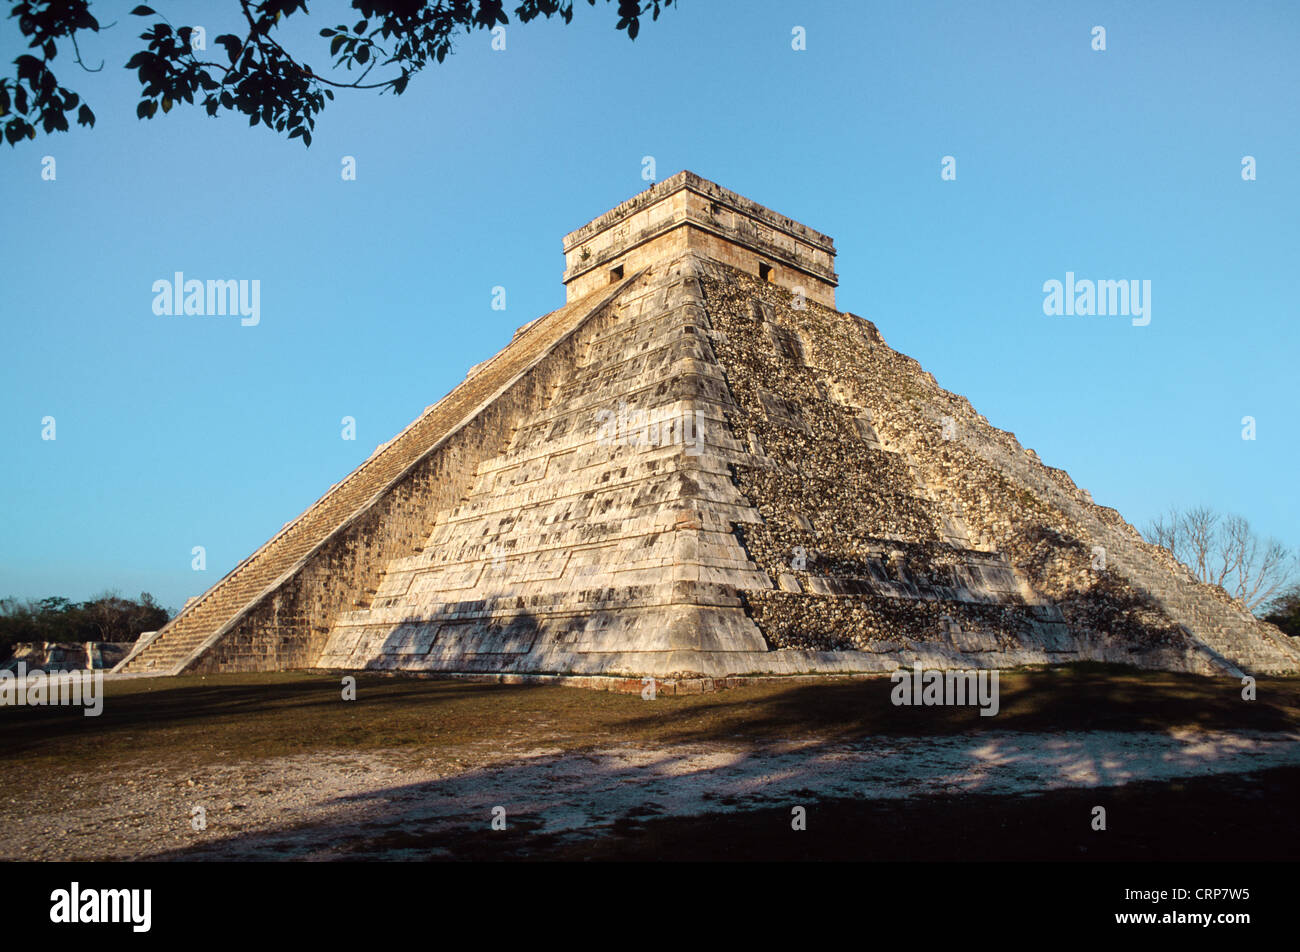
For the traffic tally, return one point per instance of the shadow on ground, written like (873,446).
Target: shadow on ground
(1185,767)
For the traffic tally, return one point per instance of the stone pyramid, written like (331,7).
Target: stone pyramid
(699,467)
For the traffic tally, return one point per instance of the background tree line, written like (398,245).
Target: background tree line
(107,617)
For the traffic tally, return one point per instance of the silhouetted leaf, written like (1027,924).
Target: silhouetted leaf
(266,82)
(233,44)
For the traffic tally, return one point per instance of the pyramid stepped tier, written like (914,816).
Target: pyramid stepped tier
(273,610)
(699,466)
(1094,587)
(579,548)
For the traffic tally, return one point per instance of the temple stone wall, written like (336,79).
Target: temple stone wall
(65,655)
(686,213)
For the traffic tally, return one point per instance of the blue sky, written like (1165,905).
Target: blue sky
(174,432)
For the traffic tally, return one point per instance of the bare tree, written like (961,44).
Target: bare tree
(1224,551)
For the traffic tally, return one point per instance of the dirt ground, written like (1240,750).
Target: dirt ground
(280,767)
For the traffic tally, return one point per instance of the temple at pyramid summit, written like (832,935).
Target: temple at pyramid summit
(699,467)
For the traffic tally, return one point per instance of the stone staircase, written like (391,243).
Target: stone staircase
(1229,637)
(201,623)
(1226,628)
(1216,622)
